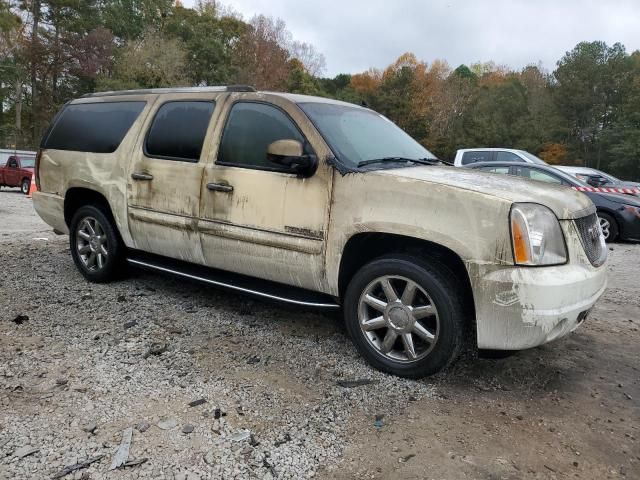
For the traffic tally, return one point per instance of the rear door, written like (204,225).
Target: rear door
(259,218)
(165,176)
(502,169)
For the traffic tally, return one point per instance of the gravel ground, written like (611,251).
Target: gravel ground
(81,363)
(140,350)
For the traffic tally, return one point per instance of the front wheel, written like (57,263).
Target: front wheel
(25,186)
(96,247)
(609,227)
(405,315)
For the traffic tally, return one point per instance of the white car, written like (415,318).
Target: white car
(467,156)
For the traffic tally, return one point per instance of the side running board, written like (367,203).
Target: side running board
(263,289)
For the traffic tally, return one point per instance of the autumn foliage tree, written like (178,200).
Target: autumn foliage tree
(583,112)
(554,153)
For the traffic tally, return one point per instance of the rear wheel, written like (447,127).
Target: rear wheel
(96,247)
(25,186)
(609,227)
(405,315)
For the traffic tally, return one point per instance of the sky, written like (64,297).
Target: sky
(355,35)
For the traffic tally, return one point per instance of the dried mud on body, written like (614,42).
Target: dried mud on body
(216,385)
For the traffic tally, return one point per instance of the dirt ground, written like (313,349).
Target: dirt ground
(87,356)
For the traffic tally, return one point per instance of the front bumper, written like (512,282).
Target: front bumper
(629,222)
(523,307)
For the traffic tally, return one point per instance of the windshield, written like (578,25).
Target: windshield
(356,134)
(609,177)
(570,179)
(28,162)
(533,158)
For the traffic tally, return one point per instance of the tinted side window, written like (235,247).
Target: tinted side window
(474,157)
(250,129)
(508,157)
(178,130)
(92,127)
(13,163)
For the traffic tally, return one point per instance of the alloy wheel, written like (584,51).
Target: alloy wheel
(398,318)
(92,244)
(605,226)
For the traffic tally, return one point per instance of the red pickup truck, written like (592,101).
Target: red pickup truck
(17,172)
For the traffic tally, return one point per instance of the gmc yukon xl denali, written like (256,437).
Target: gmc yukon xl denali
(320,203)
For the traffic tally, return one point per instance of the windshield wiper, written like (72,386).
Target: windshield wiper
(423,161)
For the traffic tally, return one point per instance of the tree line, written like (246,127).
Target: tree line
(585,112)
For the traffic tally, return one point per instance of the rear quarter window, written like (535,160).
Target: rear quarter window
(92,127)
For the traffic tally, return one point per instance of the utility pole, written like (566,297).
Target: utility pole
(34,76)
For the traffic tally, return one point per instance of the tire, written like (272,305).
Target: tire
(101,267)
(438,295)
(25,186)
(609,223)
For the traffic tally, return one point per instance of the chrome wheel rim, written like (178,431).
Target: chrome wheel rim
(604,226)
(402,327)
(25,187)
(91,244)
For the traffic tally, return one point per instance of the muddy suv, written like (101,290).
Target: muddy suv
(323,204)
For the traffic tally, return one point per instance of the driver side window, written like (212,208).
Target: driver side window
(13,163)
(251,127)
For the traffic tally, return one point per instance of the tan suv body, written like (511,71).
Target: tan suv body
(264,185)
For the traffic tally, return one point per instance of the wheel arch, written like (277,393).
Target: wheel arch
(361,248)
(77,197)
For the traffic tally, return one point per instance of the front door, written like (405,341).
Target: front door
(256,217)
(11,172)
(165,177)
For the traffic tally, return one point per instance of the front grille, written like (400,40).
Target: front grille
(592,239)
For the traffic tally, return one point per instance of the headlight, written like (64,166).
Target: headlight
(536,235)
(633,210)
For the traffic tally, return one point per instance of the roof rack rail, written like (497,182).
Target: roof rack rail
(221,88)
(240,88)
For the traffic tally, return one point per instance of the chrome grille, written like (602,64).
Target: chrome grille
(592,239)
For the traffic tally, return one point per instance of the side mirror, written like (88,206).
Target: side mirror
(290,154)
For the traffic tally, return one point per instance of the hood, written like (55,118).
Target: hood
(626,184)
(563,201)
(621,198)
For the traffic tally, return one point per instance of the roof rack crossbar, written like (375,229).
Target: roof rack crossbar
(221,88)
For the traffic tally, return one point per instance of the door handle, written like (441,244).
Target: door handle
(220,187)
(141,176)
